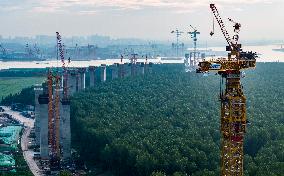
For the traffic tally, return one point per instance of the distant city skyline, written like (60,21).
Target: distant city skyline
(144,19)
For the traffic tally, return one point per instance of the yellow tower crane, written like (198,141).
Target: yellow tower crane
(233,100)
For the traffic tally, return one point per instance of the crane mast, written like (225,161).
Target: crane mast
(57,117)
(50,109)
(233,101)
(193,62)
(53,118)
(178,34)
(65,72)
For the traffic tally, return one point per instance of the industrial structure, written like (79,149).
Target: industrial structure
(191,59)
(233,101)
(52,109)
(52,105)
(38,91)
(81,52)
(92,76)
(133,64)
(177,45)
(103,73)
(121,70)
(81,79)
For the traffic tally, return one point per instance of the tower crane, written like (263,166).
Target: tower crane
(50,109)
(178,34)
(37,50)
(53,118)
(233,100)
(53,106)
(3,50)
(193,35)
(29,50)
(64,67)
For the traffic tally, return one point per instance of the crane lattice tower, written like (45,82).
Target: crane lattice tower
(194,34)
(233,101)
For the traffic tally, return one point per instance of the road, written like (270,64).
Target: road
(28,154)
(16,115)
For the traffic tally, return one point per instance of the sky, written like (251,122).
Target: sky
(143,19)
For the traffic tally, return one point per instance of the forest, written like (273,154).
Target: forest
(167,123)
(26,97)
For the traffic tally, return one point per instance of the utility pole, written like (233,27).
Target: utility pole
(178,33)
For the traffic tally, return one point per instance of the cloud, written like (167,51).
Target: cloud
(95,6)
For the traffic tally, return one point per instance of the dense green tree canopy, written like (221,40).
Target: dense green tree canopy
(25,97)
(168,123)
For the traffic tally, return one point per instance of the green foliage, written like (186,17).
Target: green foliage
(13,85)
(65,173)
(25,97)
(22,169)
(23,72)
(169,121)
(158,173)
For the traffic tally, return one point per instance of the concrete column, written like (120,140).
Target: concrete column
(133,69)
(143,65)
(149,68)
(84,80)
(103,73)
(118,68)
(121,70)
(81,79)
(125,71)
(78,82)
(38,90)
(71,82)
(114,70)
(92,75)
(65,129)
(43,113)
(112,73)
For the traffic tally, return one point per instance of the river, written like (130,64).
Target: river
(266,55)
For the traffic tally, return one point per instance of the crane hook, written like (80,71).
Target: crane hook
(212,32)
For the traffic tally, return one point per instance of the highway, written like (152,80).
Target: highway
(28,154)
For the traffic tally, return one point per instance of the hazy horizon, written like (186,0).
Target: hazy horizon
(148,19)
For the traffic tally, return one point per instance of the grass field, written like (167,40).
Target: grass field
(12,85)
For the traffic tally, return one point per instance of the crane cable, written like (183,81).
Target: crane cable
(213,27)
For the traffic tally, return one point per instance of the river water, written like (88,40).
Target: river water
(266,55)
